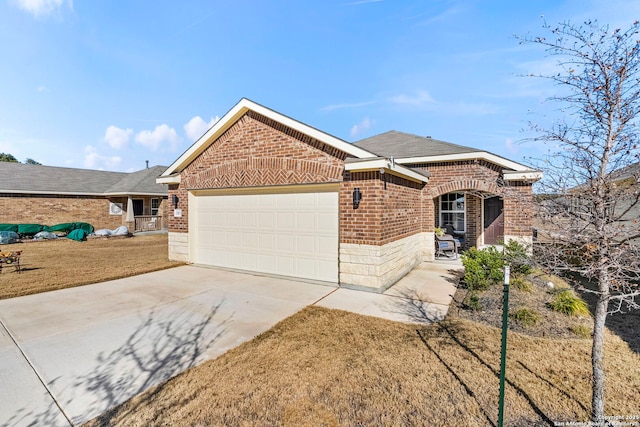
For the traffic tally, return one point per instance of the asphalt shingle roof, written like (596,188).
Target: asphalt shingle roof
(140,182)
(18,177)
(402,145)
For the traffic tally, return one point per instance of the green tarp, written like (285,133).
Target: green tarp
(29,229)
(84,226)
(65,227)
(32,229)
(78,234)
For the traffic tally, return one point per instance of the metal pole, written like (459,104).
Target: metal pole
(503,349)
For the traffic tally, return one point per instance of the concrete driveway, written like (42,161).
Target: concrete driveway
(69,355)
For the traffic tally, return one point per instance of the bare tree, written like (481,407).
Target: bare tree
(591,221)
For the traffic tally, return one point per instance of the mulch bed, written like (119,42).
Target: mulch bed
(551,324)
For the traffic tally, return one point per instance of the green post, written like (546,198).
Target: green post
(503,350)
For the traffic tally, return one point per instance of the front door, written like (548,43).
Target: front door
(138,207)
(493,221)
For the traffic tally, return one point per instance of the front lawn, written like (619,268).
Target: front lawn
(64,263)
(329,367)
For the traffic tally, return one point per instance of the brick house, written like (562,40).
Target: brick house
(50,195)
(265,193)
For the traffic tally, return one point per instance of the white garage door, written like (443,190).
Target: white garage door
(292,234)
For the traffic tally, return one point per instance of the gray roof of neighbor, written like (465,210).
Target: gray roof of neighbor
(632,170)
(402,145)
(140,182)
(21,178)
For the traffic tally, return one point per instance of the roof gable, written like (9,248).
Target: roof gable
(235,114)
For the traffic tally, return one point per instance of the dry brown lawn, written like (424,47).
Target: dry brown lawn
(325,367)
(64,263)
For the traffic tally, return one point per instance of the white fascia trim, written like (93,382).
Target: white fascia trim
(377,164)
(134,194)
(501,161)
(522,176)
(238,111)
(175,179)
(70,193)
(51,193)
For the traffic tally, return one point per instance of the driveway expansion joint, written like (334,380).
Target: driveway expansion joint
(35,371)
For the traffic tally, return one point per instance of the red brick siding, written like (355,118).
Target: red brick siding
(51,210)
(384,215)
(486,178)
(447,177)
(475,227)
(257,151)
(519,210)
(178,224)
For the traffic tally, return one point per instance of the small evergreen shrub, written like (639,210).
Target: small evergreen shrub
(516,255)
(483,268)
(525,317)
(568,303)
(472,301)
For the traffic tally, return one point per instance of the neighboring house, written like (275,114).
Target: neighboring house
(561,216)
(262,192)
(49,195)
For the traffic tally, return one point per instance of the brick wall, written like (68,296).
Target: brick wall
(178,224)
(519,210)
(479,177)
(257,151)
(391,208)
(51,210)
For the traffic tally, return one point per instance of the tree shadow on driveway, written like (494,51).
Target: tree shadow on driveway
(161,347)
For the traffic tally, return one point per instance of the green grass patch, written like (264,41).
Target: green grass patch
(567,302)
(521,284)
(582,331)
(525,317)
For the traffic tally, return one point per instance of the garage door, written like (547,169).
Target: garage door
(290,234)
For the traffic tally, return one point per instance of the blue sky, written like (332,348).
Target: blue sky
(109,84)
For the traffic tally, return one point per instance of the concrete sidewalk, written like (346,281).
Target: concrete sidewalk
(69,355)
(422,296)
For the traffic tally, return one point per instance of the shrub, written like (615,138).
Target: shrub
(482,268)
(474,276)
(522,284)
(516,255)
(472,301)
(525,317)
(568,303)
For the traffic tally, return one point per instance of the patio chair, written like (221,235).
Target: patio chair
(447,246)
(11,258)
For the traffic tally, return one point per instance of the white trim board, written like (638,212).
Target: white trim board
(235,114)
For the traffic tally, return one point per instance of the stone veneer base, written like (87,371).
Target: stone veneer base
(376,268)
(178,246)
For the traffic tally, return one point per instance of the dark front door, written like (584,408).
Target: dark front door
(493,221)
(138,207)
